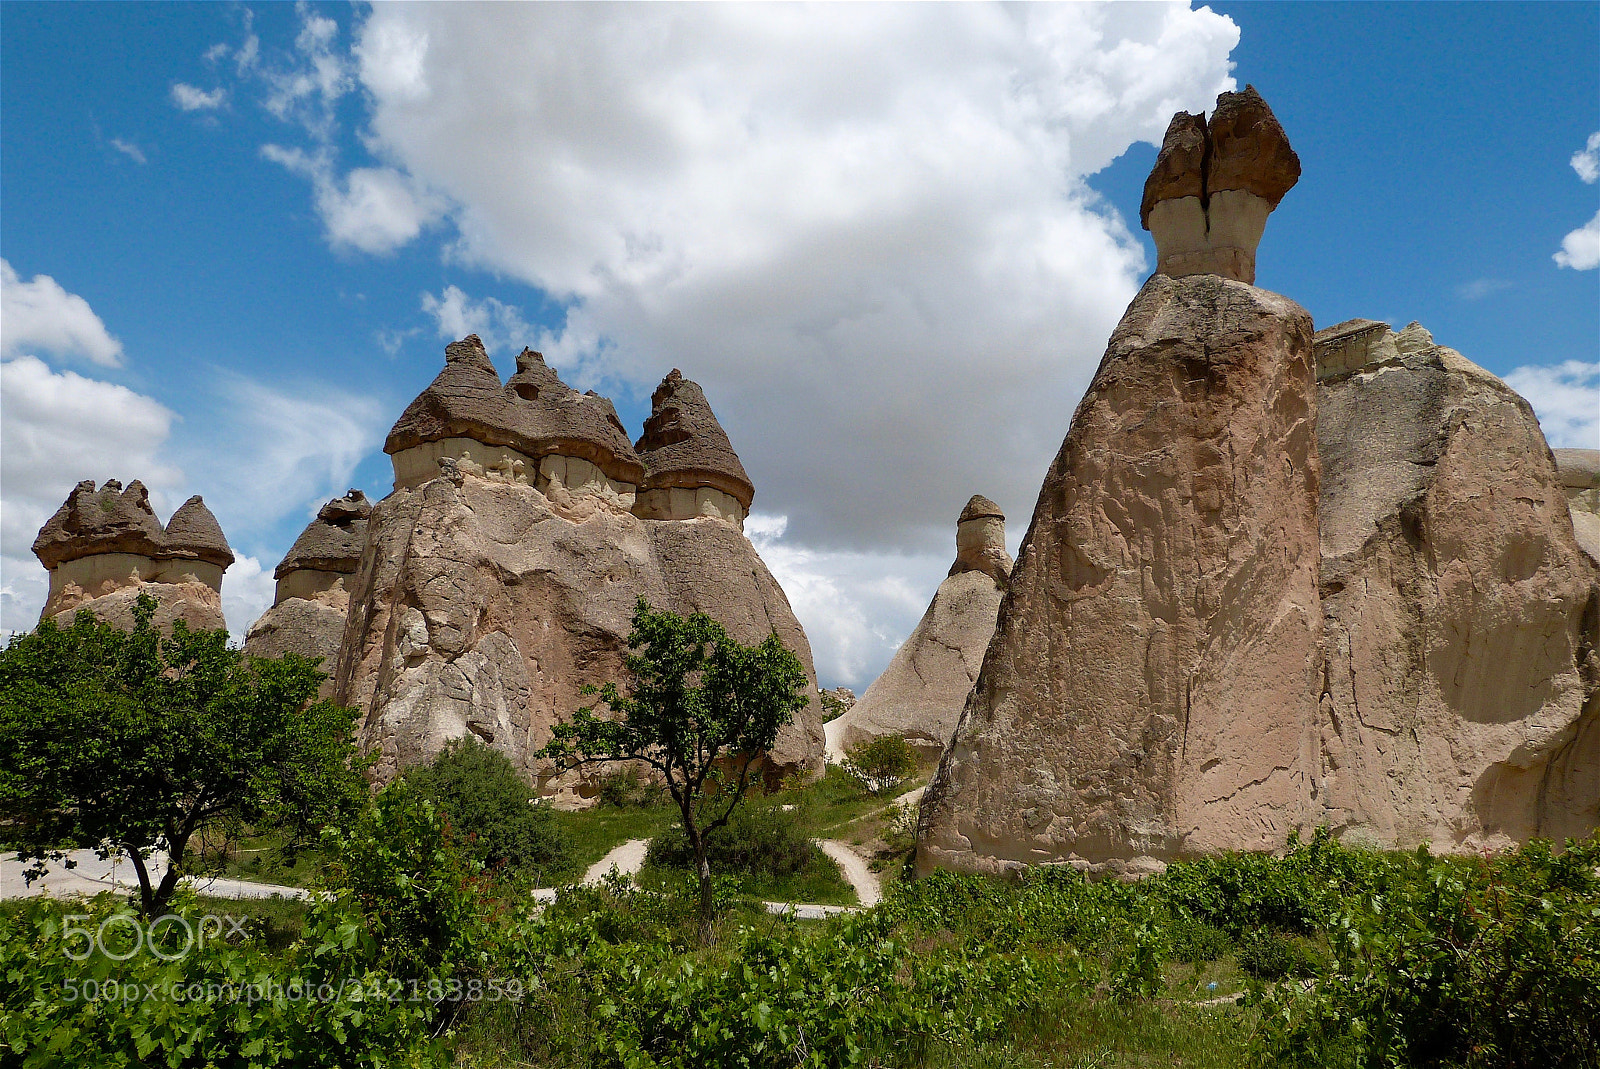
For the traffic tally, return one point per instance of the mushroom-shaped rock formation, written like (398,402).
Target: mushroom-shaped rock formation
(104,547)
(1207,200)
(1460,617)
(921,693)
(534,429)
(1580,477)
(308,615)
(491,594)
(690,466)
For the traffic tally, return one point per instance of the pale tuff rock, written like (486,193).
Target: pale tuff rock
(690,466)
(103,548)
(1207,199)
(308,614)
(1459,614)
(921,693)
(1580,478)
(837,701)
(485,607)
(1150,691)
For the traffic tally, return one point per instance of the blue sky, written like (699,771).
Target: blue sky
(891,242)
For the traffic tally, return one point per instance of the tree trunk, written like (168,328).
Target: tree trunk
(146,894)
(702,867)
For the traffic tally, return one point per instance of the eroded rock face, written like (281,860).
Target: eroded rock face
(104,548)
(1151,689)
(1580,478)
(1207,200)
(921,693)
(313,598)
(1459,613)
(485,607)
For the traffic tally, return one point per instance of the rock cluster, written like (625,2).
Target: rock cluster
(1207,200)
(313,598)
(1275,582)
(105,547)
(921,693)
(494,590)
(1458,611)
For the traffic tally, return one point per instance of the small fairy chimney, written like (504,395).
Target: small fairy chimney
(981,540)
(1207,200)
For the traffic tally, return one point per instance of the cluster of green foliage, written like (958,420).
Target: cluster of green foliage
(881,764)
(490,810)
(700,709)
(135,741)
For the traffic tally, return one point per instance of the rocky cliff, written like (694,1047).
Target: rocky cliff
(1459,612)
(1151,690)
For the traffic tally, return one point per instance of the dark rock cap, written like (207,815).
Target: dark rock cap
(978,507)
(334,541)
(1242,147)
(684,445)
(535,413)
(113,520)
(90,522)
(194,533)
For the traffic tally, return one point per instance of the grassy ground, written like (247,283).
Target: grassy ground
(259,858)
(820,881)
(594,833)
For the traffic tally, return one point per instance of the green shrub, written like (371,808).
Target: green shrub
(761,837)
(626,789)
(1481,963)
(491,811)
(1196,941)
(881,764)
(1269,955)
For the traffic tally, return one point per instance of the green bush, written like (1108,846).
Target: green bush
(1196,941)
(761,838)
(491,811)
(881,764)
(1478,963)
(626,789)
(1269,955)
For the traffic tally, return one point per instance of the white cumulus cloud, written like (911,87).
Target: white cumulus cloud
(1586,161)
(1580,250)
(864,229)
(1566,398)
(191,98)
(374,209)
(247,591)
(498,325)
(38,315)
(129,149)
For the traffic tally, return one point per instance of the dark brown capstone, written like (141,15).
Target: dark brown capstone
(684,445)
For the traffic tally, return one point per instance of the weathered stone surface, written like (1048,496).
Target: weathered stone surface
(1151,689)
(485,607)
(307,616)
(1580,478)
(105,547)
(1207,199)
(1459,614)
(684,448)
(531,417)
(921,693)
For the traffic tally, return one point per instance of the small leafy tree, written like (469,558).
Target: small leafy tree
(700,710)
(490,811)
(881,764)
(135,741)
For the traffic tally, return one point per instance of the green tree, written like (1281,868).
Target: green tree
(700,710)
(489,809)
(881,764)
(135,741)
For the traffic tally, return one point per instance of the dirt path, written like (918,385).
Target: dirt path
(92,875)
(628,859)
(867,886)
